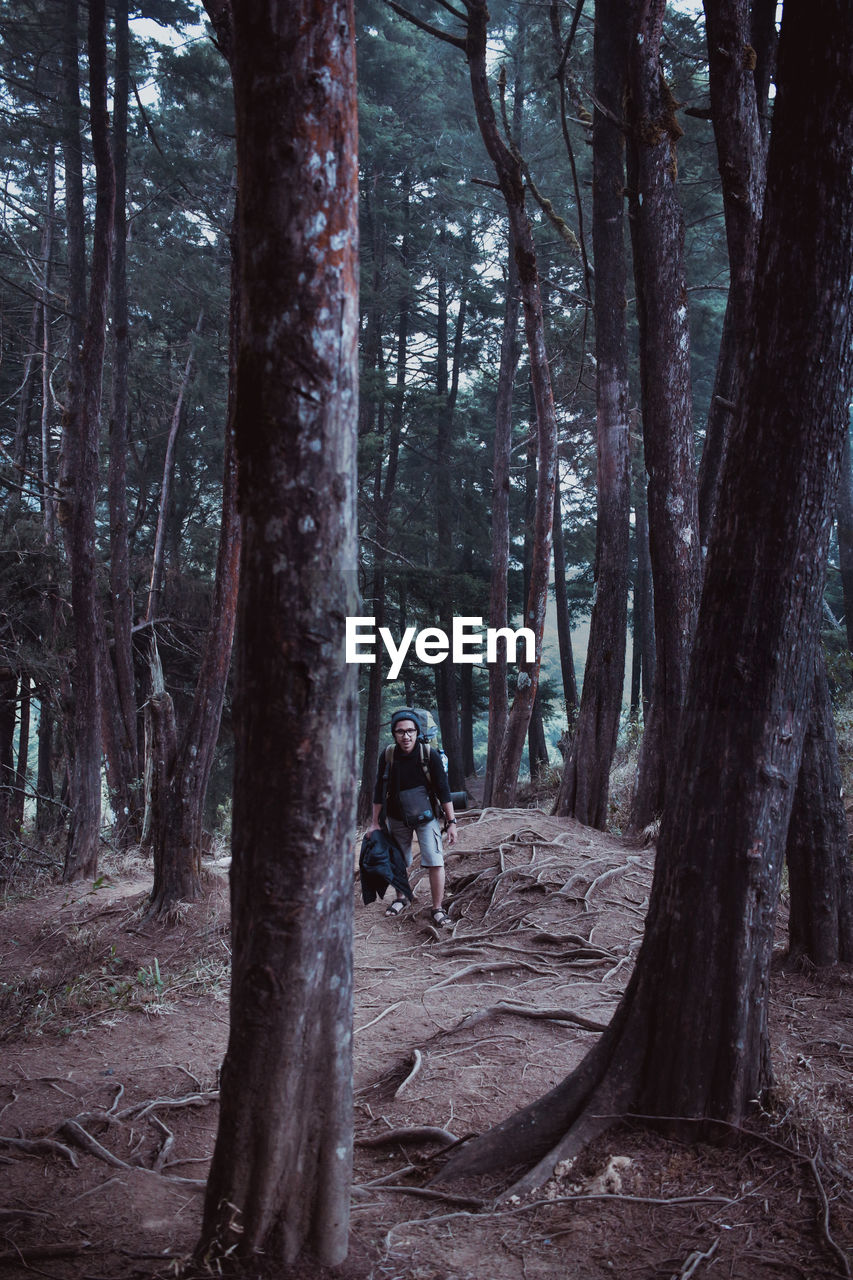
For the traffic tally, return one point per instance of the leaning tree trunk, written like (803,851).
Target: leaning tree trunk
(509,175)
(657,235)
(689,1038)
(178,810)
(279,1180)
(820,877)
(585,785)
(79,474)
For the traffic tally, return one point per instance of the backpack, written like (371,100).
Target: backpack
(427,736)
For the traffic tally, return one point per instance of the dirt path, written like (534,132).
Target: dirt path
(102,1015)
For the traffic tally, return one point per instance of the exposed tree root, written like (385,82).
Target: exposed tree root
(417,1133)
(529,1011)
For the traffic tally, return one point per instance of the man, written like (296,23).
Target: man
(408,806)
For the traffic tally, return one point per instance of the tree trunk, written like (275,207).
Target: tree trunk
(155,589)
(48,499)
(585,785)
(383,491)
(738,82)
(657,234)
(20,795)
(564,629)
(644,623)
(689,1038)
(126,786)
(499,581)
(509,175)
(178,808)
(45,809)
(8,703)
(79,473)
(279,1180)
(820,877)
(446,390)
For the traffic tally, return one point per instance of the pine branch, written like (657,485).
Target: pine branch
(457,41)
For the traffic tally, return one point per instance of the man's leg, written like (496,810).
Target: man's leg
(436,885)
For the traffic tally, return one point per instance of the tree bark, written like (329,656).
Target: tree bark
(657,234)
(79,472)
(689,1038)
(820,876)
(845,535)
(279,1181)
(585,785)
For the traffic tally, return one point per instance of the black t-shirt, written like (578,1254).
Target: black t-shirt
(406,772)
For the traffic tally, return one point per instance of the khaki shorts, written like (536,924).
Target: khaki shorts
(429,842)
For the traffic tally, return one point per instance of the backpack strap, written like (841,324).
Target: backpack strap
(423,749)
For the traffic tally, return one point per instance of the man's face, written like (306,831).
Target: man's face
(406,736)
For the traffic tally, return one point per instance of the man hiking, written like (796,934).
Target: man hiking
(406,785)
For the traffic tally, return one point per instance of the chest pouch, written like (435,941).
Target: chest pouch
(416,807)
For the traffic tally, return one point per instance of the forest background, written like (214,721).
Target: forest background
(439,328)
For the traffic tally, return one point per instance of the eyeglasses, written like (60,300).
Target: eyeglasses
(405,733)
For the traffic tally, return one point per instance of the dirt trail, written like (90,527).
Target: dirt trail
(101,1015)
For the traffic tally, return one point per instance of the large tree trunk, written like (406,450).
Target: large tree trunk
(79,475)
(279,1180)
(820,876)
(585,784)
(689,1038)
(657,233)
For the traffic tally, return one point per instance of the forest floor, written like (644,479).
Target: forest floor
(113,1030)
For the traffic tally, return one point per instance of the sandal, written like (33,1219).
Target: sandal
(395,908)
(439,916)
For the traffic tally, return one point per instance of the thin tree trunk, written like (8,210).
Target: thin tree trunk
(280,1177)
(48,499)
(126,784)
(657,233)
(45,811)
(383,497)
(585,785)
(155,588)
(564,629)
(178,812)
(8,704)
(499,580)
(79,475)
(20,794)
